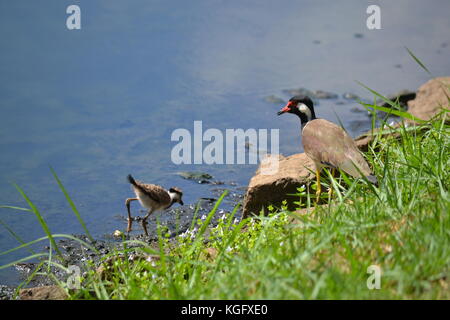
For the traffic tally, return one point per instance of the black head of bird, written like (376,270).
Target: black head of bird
(176,194)
(302,106)
(327,144)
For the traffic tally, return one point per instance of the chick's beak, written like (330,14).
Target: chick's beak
(181,202)
(285,109)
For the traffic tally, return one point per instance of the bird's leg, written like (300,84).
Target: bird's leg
(319,187)
(144,221)
(130,220)
(330,191)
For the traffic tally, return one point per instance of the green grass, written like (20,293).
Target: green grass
(403,227)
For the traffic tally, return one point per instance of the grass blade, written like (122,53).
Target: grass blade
(68,236)
(418,61)
(205,224)
(72,205)
(41,220)
(16,208)
(16,236)
(37,255)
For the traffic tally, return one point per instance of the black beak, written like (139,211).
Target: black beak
(181,202)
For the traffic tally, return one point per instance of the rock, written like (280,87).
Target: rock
(264,189)
(200,177)
(358,109)
(43,293)
(274,99)
(317,94)
(350,96)
(299,92)
(403,96)
(431,98)
(359,125)
(320,94)
(358,35)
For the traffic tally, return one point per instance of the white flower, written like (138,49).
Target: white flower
(203,217)
(151,260)
(184,234)
(228,249)
(236,221)
(118,234)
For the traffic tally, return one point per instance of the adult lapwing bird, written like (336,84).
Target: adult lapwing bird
(327,144)
(153,198)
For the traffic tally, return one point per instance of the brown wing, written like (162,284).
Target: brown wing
(155,192)
(328,144)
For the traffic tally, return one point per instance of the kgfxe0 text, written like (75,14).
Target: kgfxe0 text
(240,309)
(246,309)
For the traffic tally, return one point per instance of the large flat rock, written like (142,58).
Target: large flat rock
(264,189)
(430,99)
(43,293)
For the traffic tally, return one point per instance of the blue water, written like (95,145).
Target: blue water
(101,102)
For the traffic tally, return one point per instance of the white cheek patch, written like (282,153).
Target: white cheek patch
(304,109)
